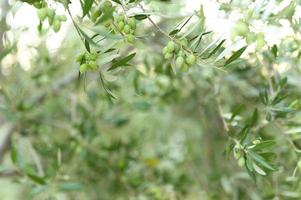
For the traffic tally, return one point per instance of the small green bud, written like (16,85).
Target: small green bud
(120,25)
(132,22)
(164,50)
(42,14)
(179,61)
(79,58)
(56,25)
(181,53)
(299,164)
(171,46)
(191,59)
(127,29)
(92,65)
(168,55)
(93,56)
(50,15)
(95,15)
(83,68)
(131,38)
(241,161)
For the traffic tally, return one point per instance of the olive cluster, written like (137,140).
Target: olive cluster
(96,13)
(87,61)
(53,19)
(127,26)
(183,59)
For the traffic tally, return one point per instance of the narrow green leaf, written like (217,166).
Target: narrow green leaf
(264,145)
(87,6)
(216,49)
(122,61)
(36,178)
(259,170)
(275,50)
(259,159)
(235,55)
(117,1)
(141,16)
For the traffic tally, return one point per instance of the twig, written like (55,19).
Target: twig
(164,33)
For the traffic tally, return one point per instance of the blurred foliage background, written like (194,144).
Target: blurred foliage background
(228,128)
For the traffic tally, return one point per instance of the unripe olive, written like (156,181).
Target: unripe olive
(165,50)
(191,59)
(93,56)
(50,15)
(79,58)
(120,25)
(92,65)
(241,161)
(62,18)
(260,42)
(181,53)
(241,28)
(56,25)
(179,61)
(127,29)
(42,14)
(171,46)
(83,68)
(299,164)
(131,38)
(132,22)
(168,55)
(89,56)
(250,38)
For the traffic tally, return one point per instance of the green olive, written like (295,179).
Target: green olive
(56,25)
(79,58)
(50,15)
(120,25)
(180,61)
(42,14)
(168,55)
(191,59)
(92,65)
(93,56)
(165,50)
(131,38)
(132,22)
(181,53)
(241,161)
(171,46)
(83,68)
(127,29)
